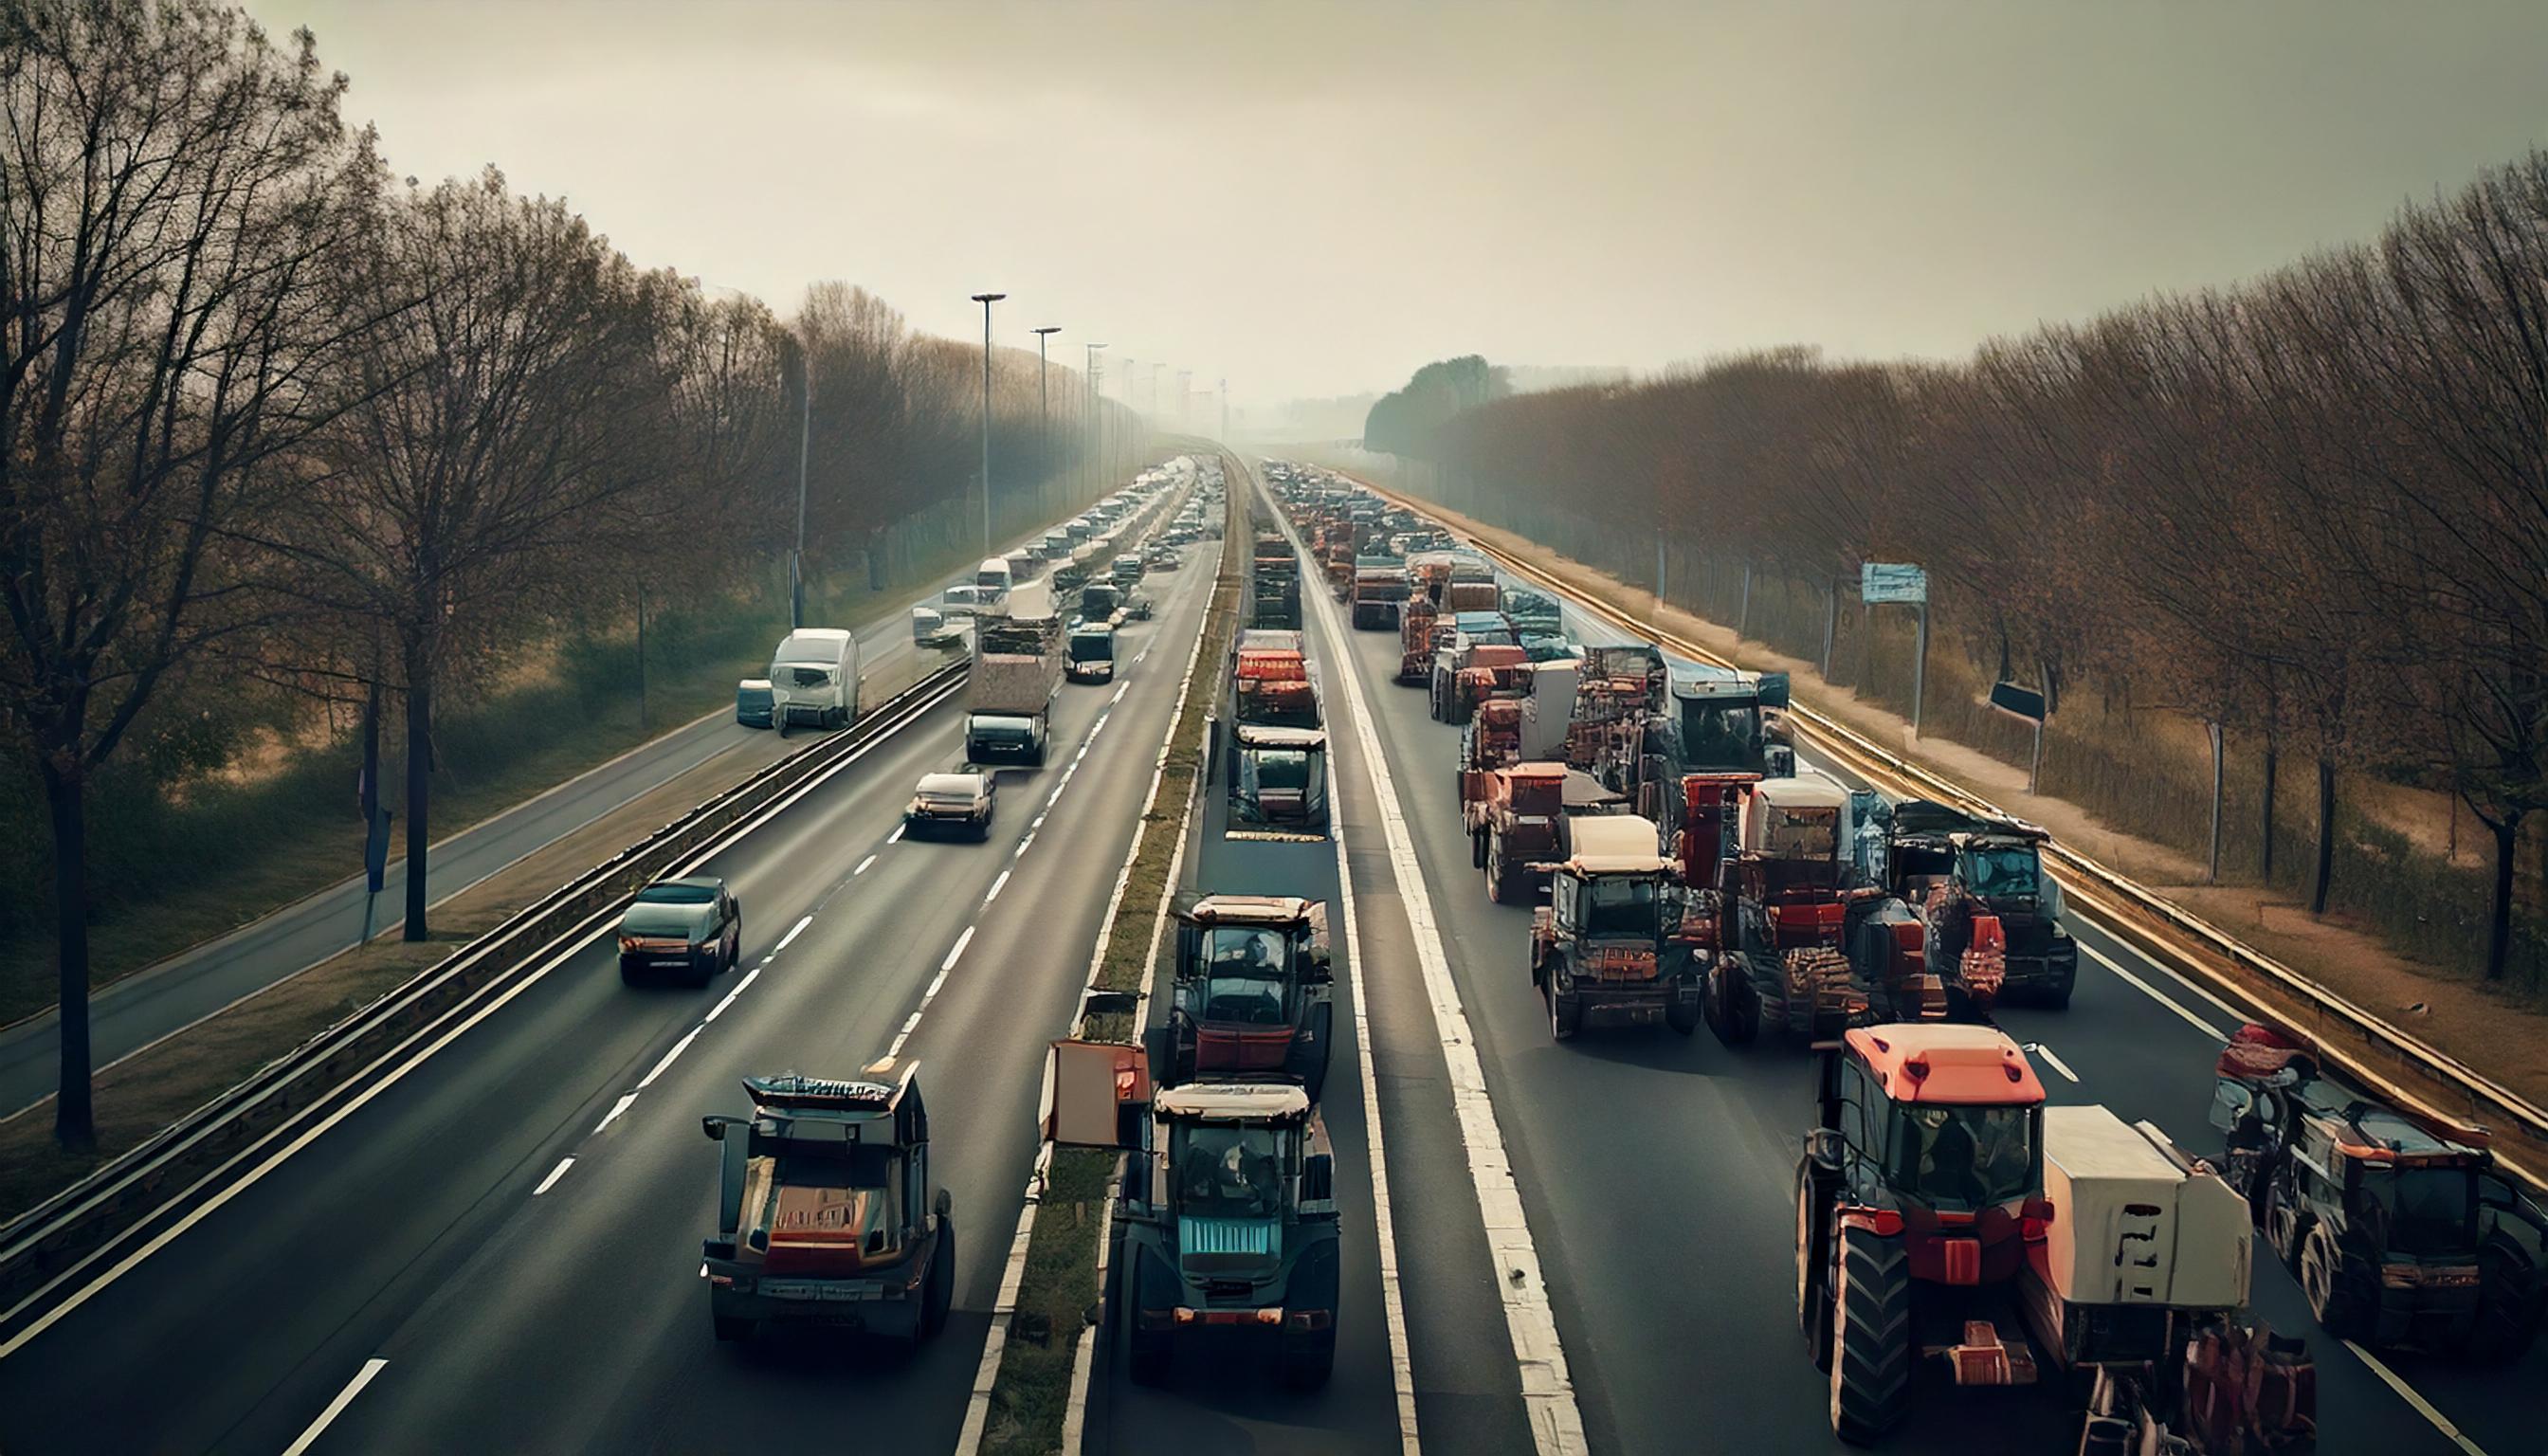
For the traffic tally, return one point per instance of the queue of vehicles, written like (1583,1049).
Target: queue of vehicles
(1945,1214)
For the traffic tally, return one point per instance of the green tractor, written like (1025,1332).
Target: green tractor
(1227,1217)
(826,1213)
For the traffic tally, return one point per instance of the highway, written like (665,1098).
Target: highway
(140,1008)
(500,1251)
(1665,1166)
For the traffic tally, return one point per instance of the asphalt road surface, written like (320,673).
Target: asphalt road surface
(514,1299)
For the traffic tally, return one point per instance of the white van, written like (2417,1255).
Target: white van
(815,676)
(993,579)
(960,602)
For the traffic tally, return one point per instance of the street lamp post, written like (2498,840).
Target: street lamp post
(1043,415)
(804,446)
(986,299)
(1096,407)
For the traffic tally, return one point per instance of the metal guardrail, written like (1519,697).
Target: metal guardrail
(2251,972)
(56,1240)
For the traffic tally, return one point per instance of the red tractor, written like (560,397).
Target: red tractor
(1516,821)
(1920,1193)
(1416,641)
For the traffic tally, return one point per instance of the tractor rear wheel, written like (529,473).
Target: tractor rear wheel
(2508,1295)
(730,1330)
(939,1295)
(2344,1292)
(1308,1359)
(1870,1367)
(1564,1013)
(1733,1011)
(1498,883)
(1680,1012)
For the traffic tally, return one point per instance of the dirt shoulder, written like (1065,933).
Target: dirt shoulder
(2447,1005)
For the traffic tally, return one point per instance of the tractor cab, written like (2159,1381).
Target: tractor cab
(1278,783)
(1921,1187)
(2404,1235)
(1228,1213)
(1253,992)
(1717,721)
(1958,871)
(827,1212)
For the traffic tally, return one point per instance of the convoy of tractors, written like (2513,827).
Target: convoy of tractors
(1953,1227)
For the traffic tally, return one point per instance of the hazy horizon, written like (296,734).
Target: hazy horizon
(1313,199)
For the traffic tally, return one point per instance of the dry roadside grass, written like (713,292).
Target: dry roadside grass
(2442,1004)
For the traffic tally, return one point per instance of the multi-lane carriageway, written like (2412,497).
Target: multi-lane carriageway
(1654,1219)
(1546,1248)
(500,1251)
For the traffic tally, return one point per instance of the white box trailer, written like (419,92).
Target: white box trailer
(2139,1232)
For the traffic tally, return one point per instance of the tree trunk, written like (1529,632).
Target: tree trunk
(1743,620)
(2265,854)
(2325,836)
(1831,624)
(419,782)
(2499,928)
(74,1116)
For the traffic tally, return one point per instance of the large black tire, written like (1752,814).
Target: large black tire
(1733,1011)
(1769,992)
(731,1331)
(1814,1269)
(2343,1289)
(1565,1014)
(1308,1359)
(1477,848)
(1499,886)
(2508,1298)
(1680,1012)
(940,1293)
(1870,1368)
(1152,1358)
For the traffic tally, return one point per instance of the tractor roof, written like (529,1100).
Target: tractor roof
(1947,1063)
(1803,791)
(883,1085)
(1928,817)
(1258,735)
(1536,772)
(1232,1102)
(1247,910)
(1616,844)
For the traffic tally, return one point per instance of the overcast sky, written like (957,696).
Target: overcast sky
(1315,199)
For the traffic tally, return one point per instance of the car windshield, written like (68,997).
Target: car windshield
(1227,1172)
(2010,871)
(1615,906)
(949,787)
(2429,1210)
(661,920)
(1096,648)
(677,894)
(1964,1157)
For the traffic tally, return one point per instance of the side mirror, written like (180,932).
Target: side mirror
(944,1206)
(1773,690)
(715,1124)
(759,1239)
(1824,1146)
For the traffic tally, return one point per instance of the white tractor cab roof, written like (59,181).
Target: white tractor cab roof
(1805,817)
(2135,1221)
(1232,1102)
(812,647)
(1256,735)
(1616,844)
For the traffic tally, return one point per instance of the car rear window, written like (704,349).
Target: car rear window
(677,894)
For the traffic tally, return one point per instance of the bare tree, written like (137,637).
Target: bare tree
(177,195)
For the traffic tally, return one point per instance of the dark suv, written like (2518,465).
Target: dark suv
(690,927)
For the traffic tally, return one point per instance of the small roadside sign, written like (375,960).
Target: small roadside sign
(2018,702)
(1882,582)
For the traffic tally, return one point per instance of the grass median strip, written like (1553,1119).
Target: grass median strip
(1031,1395)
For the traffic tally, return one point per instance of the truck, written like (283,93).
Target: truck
(1227,1217)
(1274,582)
(1481,652)
(826,1213)
(1092,653)
(815,677)
(2403,1233)
(1016,670)
(1379,591)
(1597,947)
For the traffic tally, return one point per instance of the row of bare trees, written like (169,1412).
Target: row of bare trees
(272,422)
(2311,509)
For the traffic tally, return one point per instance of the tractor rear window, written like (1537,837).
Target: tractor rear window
(2429,1211)
(1964,1157)
(2010,871)
(1619,907)
(1226,1172)
(1281,769)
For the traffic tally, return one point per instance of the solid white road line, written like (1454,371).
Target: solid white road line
(789,938)
(862,865)
(336,1408)
(997,885)
(555,1174)
(626,1099)
(1021,852)
(2423,1407)
(671,1056)
(2153,992)
(1547,1391)
(958,953)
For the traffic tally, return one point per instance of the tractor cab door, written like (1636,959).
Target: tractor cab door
(1314,792)
(1316,949)
(1566,903)
(1190,951)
